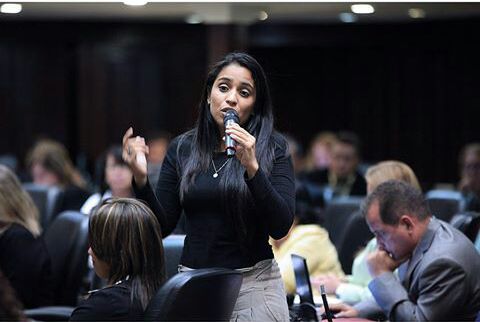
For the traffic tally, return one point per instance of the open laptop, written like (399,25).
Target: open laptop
(304,290)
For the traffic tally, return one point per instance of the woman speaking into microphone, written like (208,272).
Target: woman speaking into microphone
(232,204)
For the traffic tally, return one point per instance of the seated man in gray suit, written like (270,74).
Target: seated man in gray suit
(438,267)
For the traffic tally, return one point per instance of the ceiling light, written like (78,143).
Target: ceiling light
(194,19)
(347,17)
(135,2)
(416,13)
(362,9)
(262,15)
(10,8)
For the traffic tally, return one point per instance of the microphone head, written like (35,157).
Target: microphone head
(231,115)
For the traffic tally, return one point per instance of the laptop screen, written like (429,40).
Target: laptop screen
(302,279)
(304,288)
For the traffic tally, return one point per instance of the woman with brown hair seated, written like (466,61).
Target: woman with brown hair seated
(126,248)
(50,165)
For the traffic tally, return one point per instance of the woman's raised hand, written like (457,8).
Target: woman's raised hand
(245,148)
(134,151)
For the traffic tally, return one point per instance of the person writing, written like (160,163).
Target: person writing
(437,265)
(354,288)
(127,250)
(232,205)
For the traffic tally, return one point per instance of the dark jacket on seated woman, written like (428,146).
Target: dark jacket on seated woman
(126,249)
(112,303)
(25,261)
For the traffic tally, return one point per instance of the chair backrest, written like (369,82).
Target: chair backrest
(206,294)
(355,236)
(173,248)
(49,313)
(67,242)
(445,203)
(468,223)
(9,160)
(47,199)
(336,216)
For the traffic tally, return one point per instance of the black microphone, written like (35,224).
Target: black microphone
(231,116)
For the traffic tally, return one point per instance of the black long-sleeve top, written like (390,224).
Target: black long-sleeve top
(25,261)
(211,239)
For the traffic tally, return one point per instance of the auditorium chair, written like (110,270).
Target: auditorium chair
(468,223)
(47,199)
(337,214)
(173,248)
(199,295)
(445,203)
(50,313)
(67,242)
(355,237)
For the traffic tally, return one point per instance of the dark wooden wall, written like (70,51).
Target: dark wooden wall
(409,90)
(85,83)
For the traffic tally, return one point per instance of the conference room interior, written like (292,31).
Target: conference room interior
(403,79)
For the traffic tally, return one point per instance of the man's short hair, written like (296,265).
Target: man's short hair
(395,199)
(351,139)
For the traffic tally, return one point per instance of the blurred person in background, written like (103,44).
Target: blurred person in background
(115,179)
(296,151)
(469,184)
(342,178)
(157,146)
(50,165)
(24,258)
(319,153)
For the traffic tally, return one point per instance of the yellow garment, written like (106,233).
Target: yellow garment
(312,243)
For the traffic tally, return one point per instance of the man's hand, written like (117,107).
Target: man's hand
(330,281)
(341,310)
(380,262)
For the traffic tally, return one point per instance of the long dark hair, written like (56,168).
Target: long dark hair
(115,151)
(205,138)
(124,233)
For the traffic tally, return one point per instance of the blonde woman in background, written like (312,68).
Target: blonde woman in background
(354,288)
(50,165)
(24,259)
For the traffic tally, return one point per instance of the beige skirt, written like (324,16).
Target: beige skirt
(262,295)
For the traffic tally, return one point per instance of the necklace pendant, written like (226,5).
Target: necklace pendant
(215,175)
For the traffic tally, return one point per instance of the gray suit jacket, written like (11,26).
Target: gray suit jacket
(441,281)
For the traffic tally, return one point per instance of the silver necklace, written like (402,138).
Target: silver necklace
(215,168)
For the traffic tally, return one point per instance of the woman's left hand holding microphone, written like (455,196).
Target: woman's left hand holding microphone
(245,149)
